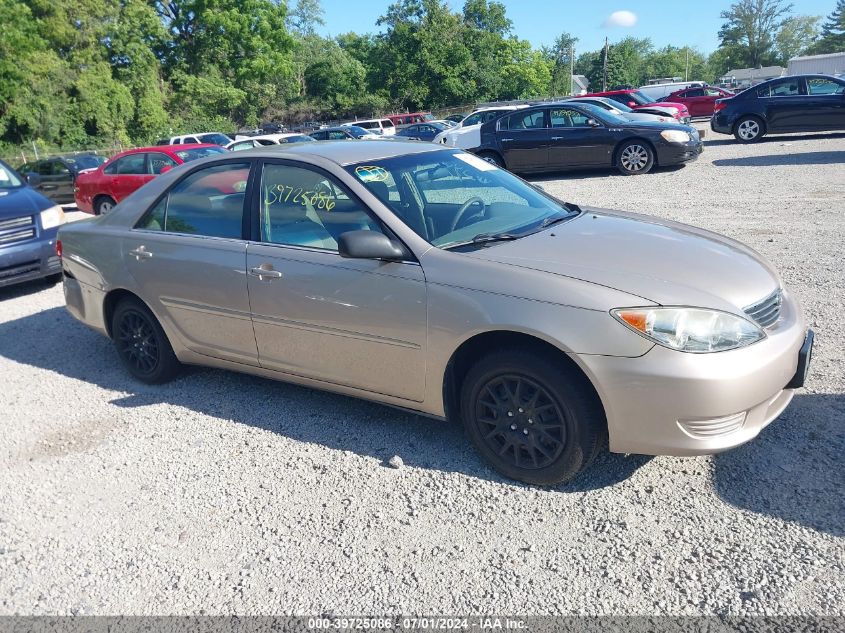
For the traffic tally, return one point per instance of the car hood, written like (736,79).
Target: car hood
(21,201)
(661,261)
(668,104)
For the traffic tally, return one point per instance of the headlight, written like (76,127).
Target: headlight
(696,330)
(52,217)
(675,136)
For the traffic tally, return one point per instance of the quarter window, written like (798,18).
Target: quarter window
(301,207)
(209,202)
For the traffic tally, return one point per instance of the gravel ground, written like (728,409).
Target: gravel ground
(221,493)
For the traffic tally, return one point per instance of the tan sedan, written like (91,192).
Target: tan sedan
(425,278)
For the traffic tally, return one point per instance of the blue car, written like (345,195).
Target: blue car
(29,223)
(422,131)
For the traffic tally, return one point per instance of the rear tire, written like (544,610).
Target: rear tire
(634,157)
(103,205)
(141,343)
(492,158)
(531,417)
(749,129)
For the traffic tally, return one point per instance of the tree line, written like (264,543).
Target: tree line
(83,73)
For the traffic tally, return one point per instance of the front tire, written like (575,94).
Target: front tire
(141,343)
(634,157)
(103,205)
(531,417)
(749,129)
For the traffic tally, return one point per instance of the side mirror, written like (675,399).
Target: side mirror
(165,169)
(593,123)
(33,179)
(369,245)
(632,104)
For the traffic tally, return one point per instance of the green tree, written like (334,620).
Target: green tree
(750,31)
(305,17)
(796,36)
(832,38)
(559,56)
(525,72)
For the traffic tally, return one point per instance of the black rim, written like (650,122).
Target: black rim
(137,341)
(520,422)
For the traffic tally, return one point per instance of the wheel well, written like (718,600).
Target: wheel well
(113,298)
(475,348)
(100,196)
(642,140)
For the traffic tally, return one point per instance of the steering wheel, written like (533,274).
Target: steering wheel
(464,208)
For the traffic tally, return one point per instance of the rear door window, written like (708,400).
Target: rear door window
(208,202)
(132,164)
(783,88)
(534,120)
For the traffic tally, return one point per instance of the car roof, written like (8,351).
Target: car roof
(346,153)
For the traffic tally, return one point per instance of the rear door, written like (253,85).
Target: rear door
(62,177)
(826,102)
(353,322)
(574,143)
(524,138)
(188,256)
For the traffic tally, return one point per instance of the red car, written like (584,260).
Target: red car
(701,101)
(99,190)
(636,100)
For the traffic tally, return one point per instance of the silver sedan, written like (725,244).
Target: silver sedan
(425,278)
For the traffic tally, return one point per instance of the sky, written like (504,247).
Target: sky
(676,22)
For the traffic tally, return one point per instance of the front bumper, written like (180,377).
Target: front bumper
(672,403)
(677,153)
(33,259)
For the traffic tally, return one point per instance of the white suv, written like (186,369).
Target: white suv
(467,134)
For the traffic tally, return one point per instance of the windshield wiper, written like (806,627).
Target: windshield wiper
(483,238)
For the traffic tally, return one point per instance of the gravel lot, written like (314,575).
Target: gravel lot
(222,493)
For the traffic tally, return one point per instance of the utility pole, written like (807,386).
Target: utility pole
(686,73)
(572,70)
(604,75)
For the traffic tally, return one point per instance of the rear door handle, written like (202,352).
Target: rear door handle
(265,271)
(141,253)
(557,138)
(506,139)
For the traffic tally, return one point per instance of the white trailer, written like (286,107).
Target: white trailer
(830,64)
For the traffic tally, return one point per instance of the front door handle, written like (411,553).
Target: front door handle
(506,139)
(557,138)
(265,271)
(141,253)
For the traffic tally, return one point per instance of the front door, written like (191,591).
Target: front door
(524,139)
(576,143)
(130,173)
(188,256)
(826,103)
(352,322)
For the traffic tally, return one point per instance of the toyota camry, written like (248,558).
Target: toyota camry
(426,278)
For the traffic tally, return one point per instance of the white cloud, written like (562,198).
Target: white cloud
(625,19)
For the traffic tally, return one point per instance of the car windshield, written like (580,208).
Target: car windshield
(298,138)
(601,114)
(186,155)
(453,199)
(356,131)
(640,98)
(215,137)
(620,106)
(86,161)
(8,178)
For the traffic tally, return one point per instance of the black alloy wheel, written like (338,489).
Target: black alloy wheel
(141,343)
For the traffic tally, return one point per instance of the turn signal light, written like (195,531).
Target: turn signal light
(59,248)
